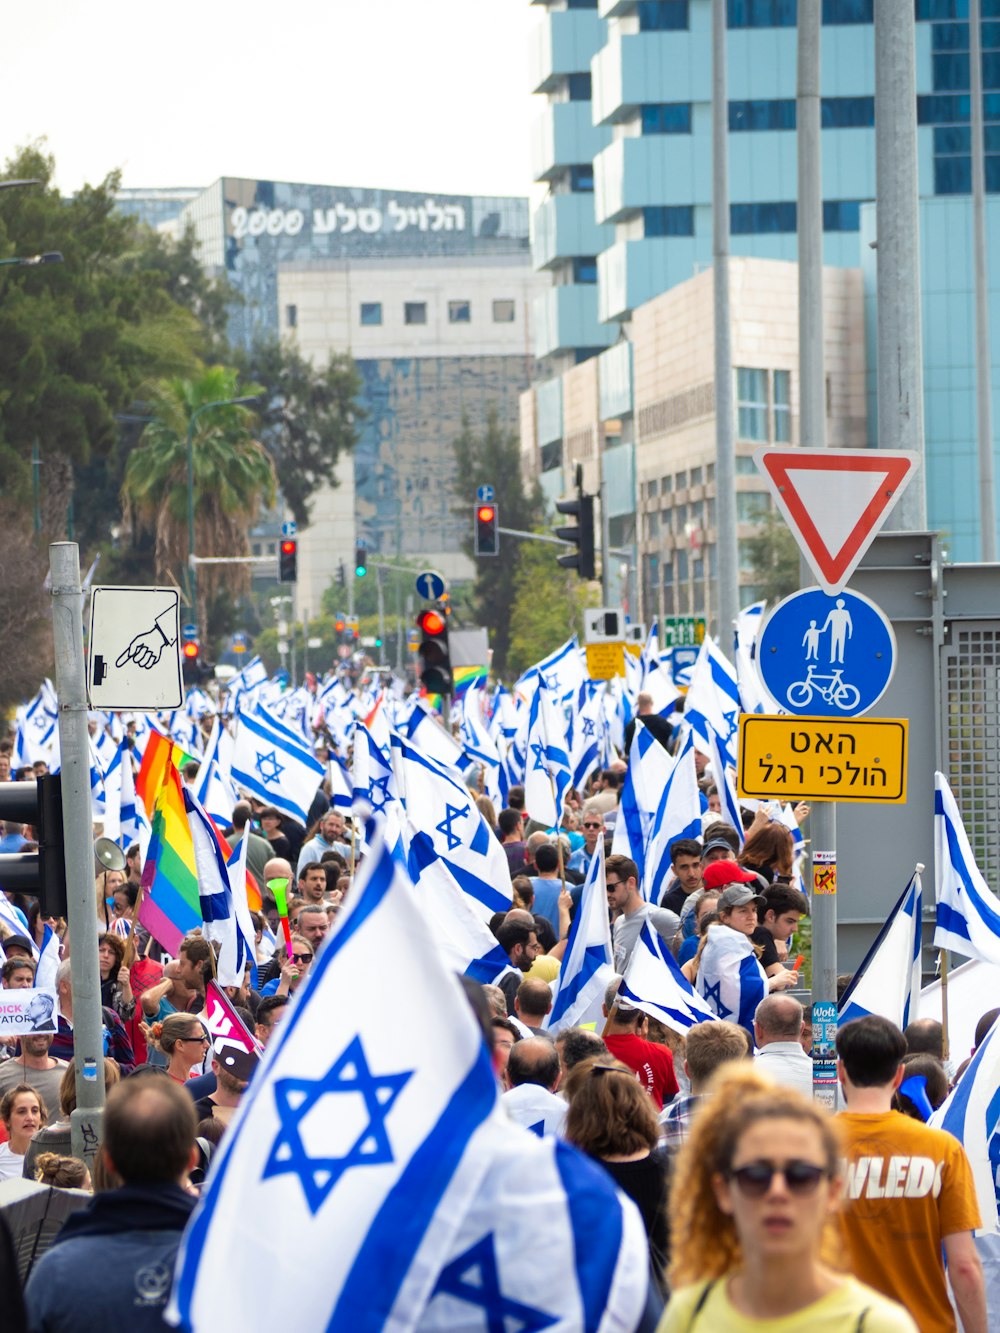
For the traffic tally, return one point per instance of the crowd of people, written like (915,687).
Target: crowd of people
(761,1210)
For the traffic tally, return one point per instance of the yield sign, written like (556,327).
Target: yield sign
(835,501)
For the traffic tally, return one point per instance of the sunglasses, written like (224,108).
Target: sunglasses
(301,957)
(202,1041)
(593,825)
(754,1179)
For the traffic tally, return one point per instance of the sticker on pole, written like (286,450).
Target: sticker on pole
(824,872)
(135,653)
(835,501)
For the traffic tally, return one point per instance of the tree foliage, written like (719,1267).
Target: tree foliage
(774,557)
(548,605)
(310,417)
(492,456)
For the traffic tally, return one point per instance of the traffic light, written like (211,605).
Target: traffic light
(288,561)
(434,665)
(190,666)
(582,536)
(487,530)
(41,873)
(360,559)
(341,574)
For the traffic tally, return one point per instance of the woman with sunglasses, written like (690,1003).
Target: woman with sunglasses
(184,1041)
(293,968)
(754,1191)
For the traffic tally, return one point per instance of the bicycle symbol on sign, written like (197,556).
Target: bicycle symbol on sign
(832,689)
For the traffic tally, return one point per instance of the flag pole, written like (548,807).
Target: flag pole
(943,963)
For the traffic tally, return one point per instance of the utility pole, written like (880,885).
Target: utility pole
(725,444)
(78,842)
(981,296)
(900,380)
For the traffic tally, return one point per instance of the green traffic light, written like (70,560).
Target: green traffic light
(360,571)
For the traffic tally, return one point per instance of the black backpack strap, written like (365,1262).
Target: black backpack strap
(706,1291)
(861,1320)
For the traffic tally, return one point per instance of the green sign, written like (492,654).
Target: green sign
(681,631)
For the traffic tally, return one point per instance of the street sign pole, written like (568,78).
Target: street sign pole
(78,842)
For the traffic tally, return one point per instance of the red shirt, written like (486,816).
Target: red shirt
(653,1065)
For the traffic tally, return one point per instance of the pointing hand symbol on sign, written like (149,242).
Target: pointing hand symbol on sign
(146,648)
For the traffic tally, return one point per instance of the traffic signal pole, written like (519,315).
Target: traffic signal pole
(78,841)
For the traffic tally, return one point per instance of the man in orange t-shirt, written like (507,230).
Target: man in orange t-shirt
(908,1190)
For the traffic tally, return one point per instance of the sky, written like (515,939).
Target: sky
(425,95)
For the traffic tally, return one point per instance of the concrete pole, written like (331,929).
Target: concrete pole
(981,292)
(725,422)
(812,412)
(78,842)
(900,349)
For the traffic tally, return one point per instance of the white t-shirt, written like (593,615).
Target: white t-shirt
(11,1163)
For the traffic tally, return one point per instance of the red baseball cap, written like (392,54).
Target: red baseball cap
(720,873)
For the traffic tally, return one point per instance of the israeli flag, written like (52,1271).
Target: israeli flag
(713,701)
(888,981)
(443,821)
(239,941)
(465,942)
(380,1147)
(274,765)
(480,749)
(48,960)
(587,965)
(730,979)
(654,983)
(730,802)
(122,819)
(649,769)
(341,792)
(547,777)
(589,731)
(426,732)
(562,672)
(968,915)
(213,788)
(373,782)
(678,815)
(972,1113)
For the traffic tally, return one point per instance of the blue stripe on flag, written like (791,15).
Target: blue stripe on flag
(589,1216)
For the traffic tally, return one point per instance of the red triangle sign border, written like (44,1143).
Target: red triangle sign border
(834,568)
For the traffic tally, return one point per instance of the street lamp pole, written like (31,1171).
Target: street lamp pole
(192,567)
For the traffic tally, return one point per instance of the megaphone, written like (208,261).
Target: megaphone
(109,854)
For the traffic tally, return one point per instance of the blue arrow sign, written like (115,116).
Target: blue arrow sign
(826,656)
(289,528)
(431,585)
(485,495)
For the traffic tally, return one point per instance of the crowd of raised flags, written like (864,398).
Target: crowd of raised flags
(432,875)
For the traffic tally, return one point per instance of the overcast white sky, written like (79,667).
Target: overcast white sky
(406,94)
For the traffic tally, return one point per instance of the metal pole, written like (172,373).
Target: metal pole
(900,380)
(192,569)
(36,487)
(381,611)
(78,841)
(725,445)
(981,293)
(606,572)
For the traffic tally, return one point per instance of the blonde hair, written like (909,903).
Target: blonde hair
(706,1245)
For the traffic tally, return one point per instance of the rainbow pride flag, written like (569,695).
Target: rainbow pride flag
(171,904)
(464,677)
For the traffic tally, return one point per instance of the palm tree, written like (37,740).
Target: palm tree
(233,477)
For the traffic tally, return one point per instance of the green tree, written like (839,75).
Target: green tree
(774,556)
(548,605)
(492,456)
(310,417)
(233,476)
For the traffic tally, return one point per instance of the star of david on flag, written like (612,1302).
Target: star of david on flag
(274,764)
(268,767)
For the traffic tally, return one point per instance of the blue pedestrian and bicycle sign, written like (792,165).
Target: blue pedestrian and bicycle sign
(826,656)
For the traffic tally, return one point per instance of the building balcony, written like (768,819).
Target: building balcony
(633,272)
(563,42)
(565,320)
(563,227)
(636,68)
(614,380)
(643,172)
(564,135)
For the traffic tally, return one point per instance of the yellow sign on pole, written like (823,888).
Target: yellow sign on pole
(859,759)
(605,660)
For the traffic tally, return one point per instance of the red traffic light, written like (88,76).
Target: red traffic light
(190,649)
(288,548)
(432,623)
(485,513)
(339,626)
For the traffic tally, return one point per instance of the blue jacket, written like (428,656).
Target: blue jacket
(111,1266)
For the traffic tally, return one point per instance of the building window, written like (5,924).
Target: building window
(952,139)
(652,489)
(292,316)
(666,118)
(782,407)
(681,481)
(371,312)
(751,404)
(745,466)
(255,548)
(762,115)
(585,269)
(579,87)
(709,473)
(942,109)
(758,219)
(581,4)
(503,312)
(841,215)
(953,175)
(762,13)
(668,220)
(581,178)
(415,312)
(663,15)
(950,37)
(848,11)
(459,312)
(551,455)
(652,526)
(696,475)
(951,71)
(847,113)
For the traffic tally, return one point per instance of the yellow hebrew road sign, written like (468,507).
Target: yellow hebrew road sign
(862,759)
